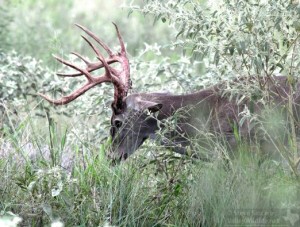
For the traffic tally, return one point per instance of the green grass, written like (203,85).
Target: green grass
(56,169)
(54,179)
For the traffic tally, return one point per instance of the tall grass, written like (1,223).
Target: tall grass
(46,179)
(50,173)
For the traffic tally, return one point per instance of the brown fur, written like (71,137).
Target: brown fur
(205,111)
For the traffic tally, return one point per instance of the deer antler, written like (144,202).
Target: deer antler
(119,78)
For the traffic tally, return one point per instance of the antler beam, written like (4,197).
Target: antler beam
(119,78)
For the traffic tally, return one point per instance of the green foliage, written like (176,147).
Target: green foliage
(4,24)
(144,191)
(53,169)
(234,37)
(20,79)
(54,33)
(30,34)
(239,42)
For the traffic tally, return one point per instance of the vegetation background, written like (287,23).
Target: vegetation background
(53,167)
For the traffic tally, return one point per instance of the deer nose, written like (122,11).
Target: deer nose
(124,156)
(117,155)
(114,160)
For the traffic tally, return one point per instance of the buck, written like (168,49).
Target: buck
(137,117)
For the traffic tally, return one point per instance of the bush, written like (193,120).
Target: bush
(234,37)
(159,188)
(20,79)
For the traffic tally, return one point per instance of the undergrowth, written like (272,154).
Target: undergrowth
(45,179)
(54,172)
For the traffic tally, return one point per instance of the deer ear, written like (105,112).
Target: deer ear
(117,110)
(151,106)
(155,107)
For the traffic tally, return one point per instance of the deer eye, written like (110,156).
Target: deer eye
(118,123)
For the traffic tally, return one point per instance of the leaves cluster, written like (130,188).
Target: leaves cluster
(235,38)
(20,80)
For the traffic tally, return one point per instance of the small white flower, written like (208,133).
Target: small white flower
(10,220)
(57,224)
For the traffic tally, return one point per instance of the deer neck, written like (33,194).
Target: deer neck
(202,100)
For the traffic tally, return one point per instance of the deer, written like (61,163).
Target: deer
(137,117)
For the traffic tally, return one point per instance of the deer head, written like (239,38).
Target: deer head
(127,135)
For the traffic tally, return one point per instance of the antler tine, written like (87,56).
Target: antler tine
(82,71)
(76,74)
(90,68)
(69,98)
(123,50)
(115,80)
(91,34)
(120,78)
(91,45)
(81,57)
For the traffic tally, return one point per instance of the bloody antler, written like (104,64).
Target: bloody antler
(119,78)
